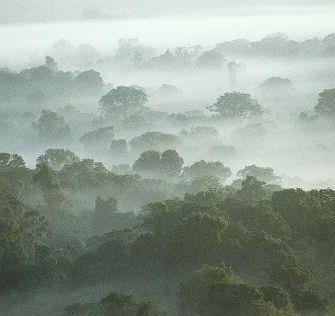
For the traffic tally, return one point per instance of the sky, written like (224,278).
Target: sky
(23,11)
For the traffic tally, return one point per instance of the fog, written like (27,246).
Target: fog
(167,158)
(26,42)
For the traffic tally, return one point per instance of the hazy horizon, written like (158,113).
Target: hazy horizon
(18,11)
(26,42)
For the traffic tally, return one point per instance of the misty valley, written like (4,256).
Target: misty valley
(175,181)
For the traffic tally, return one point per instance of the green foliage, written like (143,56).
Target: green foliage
(57,158)
(102,136)
(83,173)
(21,229)
(234,105)
(181,238)
(206,183)
(285,271)
(104,263)
(11,161)
(218,291)
(152,163)
(115,304)
(153,141)
(262,174)
(119,147)
(194,290)
(88,82)
(277,85)
(52,127)
(279,297)
(211,60)
(251,190)
(148,163)
(14,174)
(309,303)
(272,238)
(47,181)
(170,164)
(105,212)
(203,168)
(306,212)
(326,103)
(122,100)
(257,216)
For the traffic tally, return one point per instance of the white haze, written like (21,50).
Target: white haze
(23,43)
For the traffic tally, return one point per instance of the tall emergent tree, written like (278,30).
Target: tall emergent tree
(52,127)
(235,105)
(57,158)
(326,103)
(122,101)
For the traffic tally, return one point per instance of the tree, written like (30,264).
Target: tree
(11,161)
(237,299)
(203,168)
(104,211)
(277,85)
(51,64)
(183,56)
(257,216)
(152,163)
(138,60)
(200,134)
(170,163)
(324,229)
(88,82)
(12,252)
(285,271)
(326,103)
(115,304)
(119,147)
(212,60)
(122,101)
(154,141)
(164,61)
(14,88)
(194,290)
(84,175)
(263,174)
(308,302)
(305,211)
(235,105)
(34,229)
(47,181)
(148,163)
(57,158)
(52,127)
(21,228)
(184,236)
(148,308)
(215,291)
(252,190)
(205,183)
(102,136)
(277,296)
(122,169)
(51,82)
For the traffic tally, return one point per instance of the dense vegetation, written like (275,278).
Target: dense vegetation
(162,213)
